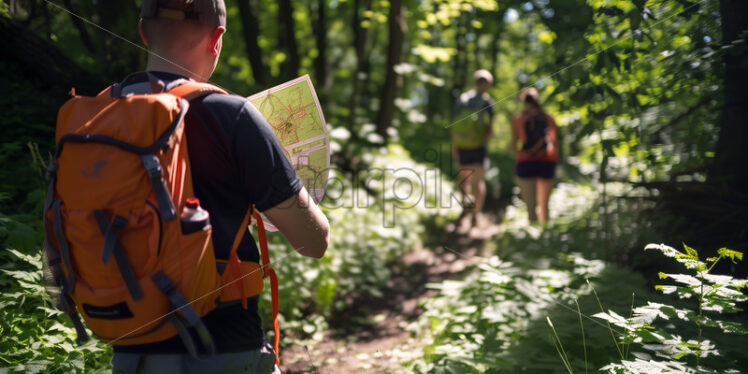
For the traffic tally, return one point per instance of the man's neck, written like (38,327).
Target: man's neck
(160,64)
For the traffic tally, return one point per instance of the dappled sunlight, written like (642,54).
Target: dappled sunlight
(634,108)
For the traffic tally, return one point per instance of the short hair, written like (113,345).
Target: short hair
(168,33)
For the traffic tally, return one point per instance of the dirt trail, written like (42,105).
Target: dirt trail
(370,335)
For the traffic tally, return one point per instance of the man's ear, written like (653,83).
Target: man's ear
(142,32)
(215,39)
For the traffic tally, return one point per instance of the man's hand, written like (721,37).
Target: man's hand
(302,223)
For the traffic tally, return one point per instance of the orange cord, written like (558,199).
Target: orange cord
(234,258)
(234,264)
(268,271)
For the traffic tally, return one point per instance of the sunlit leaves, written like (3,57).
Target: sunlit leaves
(376,217)
(37,337)
(732,255)
(546,37)
(433,54)
(713,298)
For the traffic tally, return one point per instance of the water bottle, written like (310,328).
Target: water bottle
(194,218)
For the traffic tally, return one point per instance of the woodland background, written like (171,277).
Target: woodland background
(651,97)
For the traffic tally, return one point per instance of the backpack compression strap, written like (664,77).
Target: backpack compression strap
(234,258)
(268,271)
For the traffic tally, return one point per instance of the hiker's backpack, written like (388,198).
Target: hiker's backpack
(119,188)
(536,131)
(471,127)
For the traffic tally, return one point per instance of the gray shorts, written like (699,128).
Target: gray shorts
(260,361)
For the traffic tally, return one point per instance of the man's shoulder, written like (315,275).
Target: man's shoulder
(235,114)
(221,101)
(467,95)
(230,107)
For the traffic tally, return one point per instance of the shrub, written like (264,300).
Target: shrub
(365,239)
(685,339)
(36,337)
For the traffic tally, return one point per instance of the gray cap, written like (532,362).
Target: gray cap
(211,12)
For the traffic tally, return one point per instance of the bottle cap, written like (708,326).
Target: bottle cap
(193,202)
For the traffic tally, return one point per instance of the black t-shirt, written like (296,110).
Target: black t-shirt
(235,160)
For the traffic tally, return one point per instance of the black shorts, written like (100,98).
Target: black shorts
(472,156)
(536,169)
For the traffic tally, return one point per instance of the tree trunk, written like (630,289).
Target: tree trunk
(496,42)
(320,62)
(81,27)
(359,46)
(121,57)
(478,51)
(287,40)
(31,13)
(397,28)
(729,167)
(458,83)
(251,31)
(47,21)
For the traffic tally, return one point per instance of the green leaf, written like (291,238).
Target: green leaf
(691,252)
(724,252)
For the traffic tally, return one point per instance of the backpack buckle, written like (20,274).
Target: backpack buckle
(153,167)
(51,170)
(155,172)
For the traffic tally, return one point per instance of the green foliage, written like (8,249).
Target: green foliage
(495,319)
(364,242)
(620,84)
(635,86)
(36,336)
(686,339)
(547,303)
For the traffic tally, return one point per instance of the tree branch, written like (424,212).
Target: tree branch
(704,100)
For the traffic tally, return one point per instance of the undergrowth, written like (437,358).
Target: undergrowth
(547,301)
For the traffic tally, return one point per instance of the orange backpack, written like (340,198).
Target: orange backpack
(119,183)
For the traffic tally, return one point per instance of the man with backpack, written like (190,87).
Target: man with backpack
(470,136)
(152,187)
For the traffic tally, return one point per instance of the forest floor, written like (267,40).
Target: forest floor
(371,335)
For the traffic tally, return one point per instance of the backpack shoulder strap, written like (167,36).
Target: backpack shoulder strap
(190,90)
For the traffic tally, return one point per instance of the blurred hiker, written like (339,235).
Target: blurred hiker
(535,132)
(149,239)
(474,115)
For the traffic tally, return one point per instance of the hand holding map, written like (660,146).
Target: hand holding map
(293,111)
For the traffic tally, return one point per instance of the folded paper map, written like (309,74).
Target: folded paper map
(293,111)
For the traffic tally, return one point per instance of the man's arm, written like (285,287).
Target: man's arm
(273,186)
(301,221)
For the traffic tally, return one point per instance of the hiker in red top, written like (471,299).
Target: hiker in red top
(534,132)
